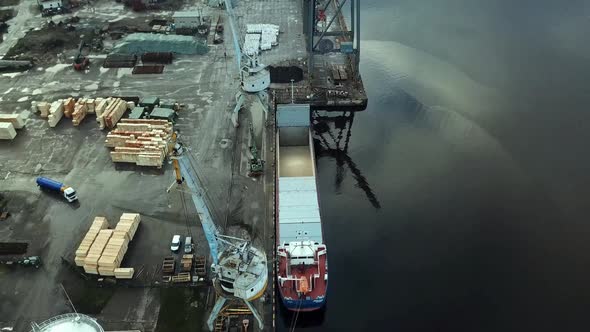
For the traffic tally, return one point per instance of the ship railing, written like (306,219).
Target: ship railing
(297,281)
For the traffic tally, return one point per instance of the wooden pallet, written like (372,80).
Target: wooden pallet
(339,73)
(200,266)
(168,265)
(186,263)
(181,277)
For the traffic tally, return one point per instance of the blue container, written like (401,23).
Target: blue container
(48,183)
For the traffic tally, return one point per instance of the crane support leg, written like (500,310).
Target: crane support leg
(215,312)
(256,315)
(239,102)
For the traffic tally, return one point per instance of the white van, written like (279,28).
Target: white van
(175,243)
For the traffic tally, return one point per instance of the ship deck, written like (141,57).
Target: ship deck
(317,285)
(295,161)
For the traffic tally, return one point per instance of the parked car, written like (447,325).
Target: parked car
(175,243)
(188,245)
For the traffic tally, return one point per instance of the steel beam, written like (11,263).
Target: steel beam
(358,37)
(352,25)
(338,11)
(339,33)
(327,4)
(311,20)
(256,315)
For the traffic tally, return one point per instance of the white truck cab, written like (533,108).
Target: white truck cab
(70,194)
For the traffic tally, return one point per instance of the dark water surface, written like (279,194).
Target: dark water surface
(475,144)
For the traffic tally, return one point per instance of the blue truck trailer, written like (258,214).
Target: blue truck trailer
(66,191)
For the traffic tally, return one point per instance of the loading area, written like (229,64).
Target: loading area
(50,57)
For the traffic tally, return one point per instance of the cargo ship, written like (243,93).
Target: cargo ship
(302,261)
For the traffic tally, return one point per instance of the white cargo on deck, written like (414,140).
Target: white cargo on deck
(251,44)
(299,210)
(268,34)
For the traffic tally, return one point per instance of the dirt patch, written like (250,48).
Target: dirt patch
(6,14)
(285,74)
(5,3)
(42,46)
(130,25)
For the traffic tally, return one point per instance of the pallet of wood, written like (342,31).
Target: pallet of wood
(17,120)
(339,73)
(90,104)
(112,255)
(168,265)
(114,112)
(186,263)
(201,266)
(43,108)
(128,223)
(56,112)
(124,273)
(97,225)
(95,251)
(80,111)
(139,156)
(101,106)
(7,130)
(69,105)
(142,142)
(181,277)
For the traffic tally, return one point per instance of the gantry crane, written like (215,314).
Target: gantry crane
(240,270)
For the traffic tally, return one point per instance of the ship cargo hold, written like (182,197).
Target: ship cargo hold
(302,262)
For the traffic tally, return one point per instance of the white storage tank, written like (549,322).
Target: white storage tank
(68,323)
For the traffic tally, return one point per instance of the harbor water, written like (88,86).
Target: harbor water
(462,201)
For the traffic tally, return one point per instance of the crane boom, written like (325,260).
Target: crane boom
(230,13)
(198,197)
(240,269)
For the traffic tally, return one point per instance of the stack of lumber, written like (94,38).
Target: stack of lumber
(140,156)
(43,108)
(186,263)
(56,112)
(7,130)
(90,104)
(95,251)
(181,277)
(101,106)
(102,250)
(17,120)
(80,111)
(98,224)
(143,142)
(124,272)
(69,104)
(128,224)
(113,254)
(113,113)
